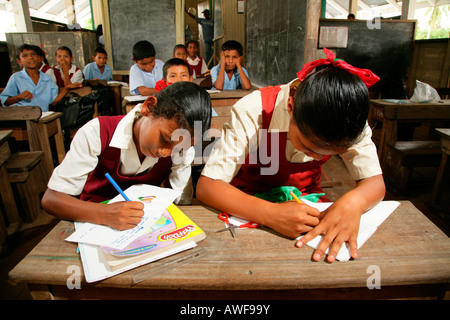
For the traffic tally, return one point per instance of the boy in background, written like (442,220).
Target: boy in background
(146,71)
(98,69)
(66,72)
(180,51)
(30,86)
(229,74)
(174,70)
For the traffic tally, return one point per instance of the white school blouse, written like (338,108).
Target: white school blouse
(239,136)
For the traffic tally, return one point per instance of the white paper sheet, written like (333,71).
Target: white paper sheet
(136,98)
(369,223)
(155,200)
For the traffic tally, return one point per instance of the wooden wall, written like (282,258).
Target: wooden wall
(82,44)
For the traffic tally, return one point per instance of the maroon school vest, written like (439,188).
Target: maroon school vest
(98,188)
(197,68)
(305,177)
(58,76)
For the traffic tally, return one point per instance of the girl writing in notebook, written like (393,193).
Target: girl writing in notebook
(280,136)
(133,149)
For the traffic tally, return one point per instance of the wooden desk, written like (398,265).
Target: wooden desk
(412,254)
(228,97)
(444,169)
(391,113)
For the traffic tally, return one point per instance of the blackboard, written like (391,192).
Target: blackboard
(275,40)
(383,46)
(133,21)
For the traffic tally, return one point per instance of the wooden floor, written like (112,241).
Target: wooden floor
(21,242)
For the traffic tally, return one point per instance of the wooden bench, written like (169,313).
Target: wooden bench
(27,177)
(403,156)
(27,125)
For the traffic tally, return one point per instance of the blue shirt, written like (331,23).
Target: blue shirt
(230,84)
(44,93)
(91,71)
(139,78)
(207,27)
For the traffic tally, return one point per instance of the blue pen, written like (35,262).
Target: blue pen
(116,186)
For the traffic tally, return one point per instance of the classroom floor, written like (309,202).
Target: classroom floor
(22,241)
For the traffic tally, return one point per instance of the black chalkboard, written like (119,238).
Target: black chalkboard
(383,46)
(133,21)
(275,40)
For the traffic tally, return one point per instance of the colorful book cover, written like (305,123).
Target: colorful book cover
(172,229)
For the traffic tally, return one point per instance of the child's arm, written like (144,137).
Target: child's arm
(65,70)
(246,84)
(340,222)
(221,77)
(288,218)
(62,93)
(145,91)
(24,95)
(121,215)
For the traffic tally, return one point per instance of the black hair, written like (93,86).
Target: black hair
(142,50)
(193,41)
(174,62)
(100,50)
(185,102)
(64,48)
(179,46)
(41,53)
(232,45)
(332,105)
(26,46)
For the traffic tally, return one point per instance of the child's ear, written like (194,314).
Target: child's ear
(151,101)
(290,106)
(18,62)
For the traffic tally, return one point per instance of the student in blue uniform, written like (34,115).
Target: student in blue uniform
(98,69)
(146,71)
(30,86)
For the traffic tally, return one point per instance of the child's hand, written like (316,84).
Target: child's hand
(292,219)
(64,66)
(25,95)
(338,225)
(123,215)
(239,62)
(74,85)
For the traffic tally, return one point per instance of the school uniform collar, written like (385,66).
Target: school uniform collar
(123,135)
(23,73)
(280,117)
(72,69)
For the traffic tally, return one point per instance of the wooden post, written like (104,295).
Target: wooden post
(408,9)
(313,8)
(353,7)
(22,16)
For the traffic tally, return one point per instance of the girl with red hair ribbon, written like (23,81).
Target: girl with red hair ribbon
(281,136)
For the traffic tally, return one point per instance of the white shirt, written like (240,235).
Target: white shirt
(240,136)
(71,175)
(196,61)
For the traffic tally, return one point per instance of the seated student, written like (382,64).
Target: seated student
(180,51)
(174,70)
(229,74)
(196,64)
(139,147)
(146,71)
(98,70)
(30,86)
(66,72)
(303,126)
(44,67)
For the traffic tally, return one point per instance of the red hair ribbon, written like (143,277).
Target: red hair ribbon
(367,76)
(161,84)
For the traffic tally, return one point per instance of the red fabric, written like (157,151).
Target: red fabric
(197,68)
(367,76)
(98,188)
(59,79)
(161,84)
(305,177)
